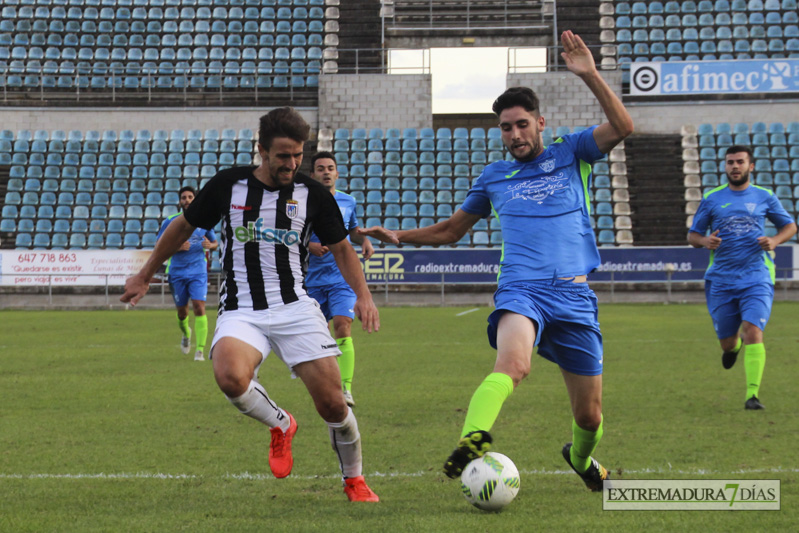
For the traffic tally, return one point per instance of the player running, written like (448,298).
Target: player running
(188,278)
(267,214)
(542,298)
(324,281)
(739,282)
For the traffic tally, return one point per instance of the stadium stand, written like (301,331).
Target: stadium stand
(705,30)
(776,154)
(146,46)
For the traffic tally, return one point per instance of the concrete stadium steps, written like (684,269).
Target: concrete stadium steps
(6,237)
(657,193)
(582,17)
(359,29)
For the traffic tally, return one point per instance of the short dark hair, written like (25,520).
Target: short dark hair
(516,96)
(187,188)
(738,148)
(282,122)
(322,155)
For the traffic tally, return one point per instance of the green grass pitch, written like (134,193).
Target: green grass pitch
(106,426)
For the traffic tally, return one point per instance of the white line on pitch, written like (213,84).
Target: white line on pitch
(266,477)
(469,311)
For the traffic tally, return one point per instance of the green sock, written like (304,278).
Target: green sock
(346,361)
(201,331)
(584,443)
(754,362)
(184,326)
(486,402)
(739,345)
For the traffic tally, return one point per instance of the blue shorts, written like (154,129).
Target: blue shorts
(729,306)
(195,288)
(335,300)
(565,314)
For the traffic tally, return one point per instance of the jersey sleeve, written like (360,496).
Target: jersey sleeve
(327,222)
(161,230)
(702,218)
(477,201)
(210,204)
(776,213)
(352,223)
(211,234)
(583,145)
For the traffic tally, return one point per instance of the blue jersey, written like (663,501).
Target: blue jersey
(323,270)
(189,263)
(543,209)
(740,217)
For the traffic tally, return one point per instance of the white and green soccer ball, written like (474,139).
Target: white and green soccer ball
(490,482)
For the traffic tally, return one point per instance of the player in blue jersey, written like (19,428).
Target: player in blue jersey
(739,282)
(188,279)
(324,280)
(542,299)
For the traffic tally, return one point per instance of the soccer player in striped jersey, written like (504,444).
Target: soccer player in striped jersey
(188,278)
(542,298)
(268,213)
(324,280)
(739,282)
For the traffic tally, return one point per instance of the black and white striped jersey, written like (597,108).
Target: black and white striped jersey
(265,234)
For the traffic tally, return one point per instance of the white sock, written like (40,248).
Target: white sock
(256,403)
(346,441)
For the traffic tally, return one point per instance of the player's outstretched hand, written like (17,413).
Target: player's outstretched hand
(767,244)
(367,313)
(380,233)
(135,288)
(576,54)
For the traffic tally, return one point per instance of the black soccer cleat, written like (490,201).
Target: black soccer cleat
(728,359)
(594,476)
(470,447)
(753,404)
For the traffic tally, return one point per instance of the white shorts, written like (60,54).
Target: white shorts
(297,332)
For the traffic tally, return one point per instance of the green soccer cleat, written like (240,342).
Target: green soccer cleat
(470,447)
(596,474)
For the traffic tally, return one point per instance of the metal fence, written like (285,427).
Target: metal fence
(445,290)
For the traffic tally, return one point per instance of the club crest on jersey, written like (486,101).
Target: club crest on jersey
(548,165)
(292,208)
(751,208)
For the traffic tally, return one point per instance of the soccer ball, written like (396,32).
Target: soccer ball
(490,482)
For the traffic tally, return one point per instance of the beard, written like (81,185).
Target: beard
(741,180)
(535,148)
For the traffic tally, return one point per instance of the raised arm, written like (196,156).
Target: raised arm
(177,233)
(444,232)
(350,267)
(579,60)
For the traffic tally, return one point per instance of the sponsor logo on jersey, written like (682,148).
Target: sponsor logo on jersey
(292,208)
(739,225)
(256,231)
(241,207)
(548,165)
(513,173)
(725,205)
(539,189)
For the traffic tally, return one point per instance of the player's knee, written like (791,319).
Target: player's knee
(332,410)
(589,419)
(232,383)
